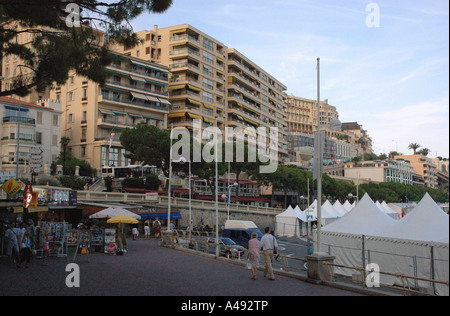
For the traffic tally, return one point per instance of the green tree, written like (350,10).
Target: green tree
(58,47)
(424,151)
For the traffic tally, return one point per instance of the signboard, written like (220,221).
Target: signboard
(55,196)
(152,196)
(28,195)
(11,187)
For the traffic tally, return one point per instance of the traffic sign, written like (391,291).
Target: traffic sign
(309,218)
(11,187)
(35,151)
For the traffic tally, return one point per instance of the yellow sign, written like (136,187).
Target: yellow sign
(11,187)
(38,209)
(18,210)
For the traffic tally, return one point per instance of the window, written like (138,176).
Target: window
(39,117)
(208,57)
(208,84)
(70,118)
(208,97)
(83,117)
(38,137)
(207,43)
(55,120)
(54,140)
(70,96)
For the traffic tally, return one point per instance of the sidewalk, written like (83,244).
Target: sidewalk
(150,270)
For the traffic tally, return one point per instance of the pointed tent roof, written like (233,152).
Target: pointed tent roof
(339,208)
(326,210)
(347,206)
(387,208)
(289,212)
(365,218)
(426,222)
(300,213)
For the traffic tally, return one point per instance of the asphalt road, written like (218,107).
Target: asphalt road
(150,270)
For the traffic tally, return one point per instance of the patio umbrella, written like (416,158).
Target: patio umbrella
(122,219)
(112,212)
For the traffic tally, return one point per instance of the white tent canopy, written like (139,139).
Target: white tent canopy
(112,212)
(427,222)
(339,208)
(347,205)
(300,213)
(364,219)
(287,223)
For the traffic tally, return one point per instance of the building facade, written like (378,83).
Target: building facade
(208,80)
(424,167)
(381,171)
(36,125)
(94,115)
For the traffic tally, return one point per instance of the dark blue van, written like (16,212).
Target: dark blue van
(241,231)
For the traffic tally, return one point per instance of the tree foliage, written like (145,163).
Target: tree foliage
(58,47)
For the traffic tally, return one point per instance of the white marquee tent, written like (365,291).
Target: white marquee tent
(348,206)
(287,223)
(416,245)
(364,219)
(339,208)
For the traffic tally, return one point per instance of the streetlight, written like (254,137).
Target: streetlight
(228,197)
(334,124)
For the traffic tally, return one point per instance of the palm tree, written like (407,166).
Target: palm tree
(414,146)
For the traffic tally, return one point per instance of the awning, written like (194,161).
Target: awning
(172,115)
(105,112)
(152,118)
(208,120)
(208,106)
(148,66)
(173,216)
(194,88)
(156,82)
(137,79)
(135,115)
(139,96)
(164,101)
(195,102)
(176,87)
(151,98)
(119,113)
(195,116)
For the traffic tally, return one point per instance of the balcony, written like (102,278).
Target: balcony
(17,119)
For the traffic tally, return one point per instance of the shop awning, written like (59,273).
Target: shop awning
(173,216)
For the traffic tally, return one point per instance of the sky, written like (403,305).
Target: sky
(383,64)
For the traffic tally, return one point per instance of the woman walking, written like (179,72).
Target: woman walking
(254,246)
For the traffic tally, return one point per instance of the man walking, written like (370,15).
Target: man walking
(269,246)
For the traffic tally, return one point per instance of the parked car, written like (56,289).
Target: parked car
(227,246)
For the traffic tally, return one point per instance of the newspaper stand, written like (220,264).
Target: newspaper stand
(57,238)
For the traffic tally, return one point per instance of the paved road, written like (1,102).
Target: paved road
(150,270)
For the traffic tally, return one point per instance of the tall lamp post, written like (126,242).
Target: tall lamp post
(334,124)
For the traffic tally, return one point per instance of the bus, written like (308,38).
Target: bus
(136,171)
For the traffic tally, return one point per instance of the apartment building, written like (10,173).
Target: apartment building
(34,125)
(424,167)
(209,80)
(94,115)
(381,171)
(301,114)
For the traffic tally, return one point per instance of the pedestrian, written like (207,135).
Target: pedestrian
(26,250)
(157,228)
(12,247)
(147,229)
(254,246)
(135,233)
(45,247)
(269,246)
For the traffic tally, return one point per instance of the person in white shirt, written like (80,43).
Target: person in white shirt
(269,246)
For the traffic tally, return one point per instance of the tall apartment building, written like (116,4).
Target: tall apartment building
(208,79)
(94,115)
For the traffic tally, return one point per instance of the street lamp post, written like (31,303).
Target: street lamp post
(217,186)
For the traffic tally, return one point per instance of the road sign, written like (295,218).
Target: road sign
(35,165)
(35,151)
(309,218)
(11,187)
